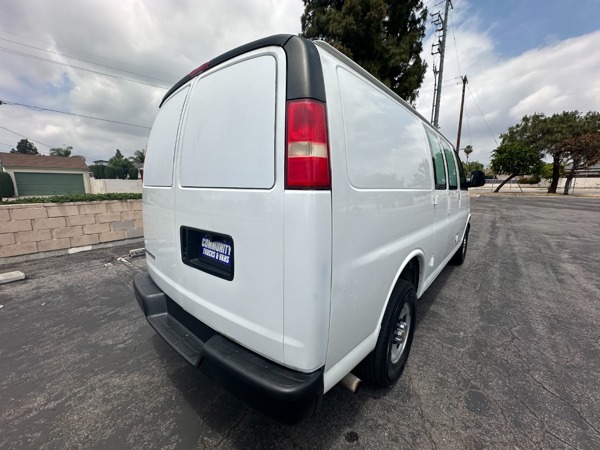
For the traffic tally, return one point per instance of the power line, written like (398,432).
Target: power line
(39,108)
(87,61)
(468,125)
(455,45)
(81,52)
(8,50)
(23,136)
(482,116)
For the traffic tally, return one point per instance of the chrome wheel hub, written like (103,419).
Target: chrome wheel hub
(400,336)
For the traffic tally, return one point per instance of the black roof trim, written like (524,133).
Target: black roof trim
(304,74)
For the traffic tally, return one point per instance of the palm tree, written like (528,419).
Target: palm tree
(61,151)
(468,150)
(138,156)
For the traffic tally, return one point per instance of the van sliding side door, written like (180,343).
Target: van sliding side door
(440,202)
(454,233)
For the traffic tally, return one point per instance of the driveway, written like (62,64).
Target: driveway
(506,354)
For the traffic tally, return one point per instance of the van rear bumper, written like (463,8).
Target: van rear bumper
(286,395)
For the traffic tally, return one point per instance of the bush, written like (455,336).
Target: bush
(532,180)
(75,198)
(98,171)
(133,173)
(110,172)
(120,173)
(6,185)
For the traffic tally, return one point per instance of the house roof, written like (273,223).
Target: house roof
(14,160)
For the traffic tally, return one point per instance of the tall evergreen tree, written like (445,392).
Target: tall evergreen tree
(25,147)
(383,36)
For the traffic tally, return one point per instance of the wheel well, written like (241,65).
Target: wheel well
(411,272)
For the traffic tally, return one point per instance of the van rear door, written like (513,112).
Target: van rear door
(229,200)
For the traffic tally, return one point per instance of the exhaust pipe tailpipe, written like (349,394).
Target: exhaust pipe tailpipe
(351,382)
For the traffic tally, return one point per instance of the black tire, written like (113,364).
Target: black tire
(384,365)
(461,253)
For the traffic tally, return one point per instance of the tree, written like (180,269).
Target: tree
(383,36)
(119,164)
(61,151)
(25,147)
(514,158)
(583,151)
(552,136)
(472,166)
(468,150)
(138,156)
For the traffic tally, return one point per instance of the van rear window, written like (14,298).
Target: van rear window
(229,134)
(158,167)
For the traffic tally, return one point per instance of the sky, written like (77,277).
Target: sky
(115,59)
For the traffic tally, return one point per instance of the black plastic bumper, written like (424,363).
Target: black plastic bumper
(281,393)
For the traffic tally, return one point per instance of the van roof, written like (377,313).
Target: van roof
(304,75)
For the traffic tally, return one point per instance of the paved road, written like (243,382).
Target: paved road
(506,354)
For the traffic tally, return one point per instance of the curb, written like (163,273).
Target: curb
(67,251)
(9,277)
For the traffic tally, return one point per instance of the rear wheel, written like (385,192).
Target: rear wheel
(461,253)
(386,363)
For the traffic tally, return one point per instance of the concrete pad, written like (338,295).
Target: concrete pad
(137,252)
(11,276)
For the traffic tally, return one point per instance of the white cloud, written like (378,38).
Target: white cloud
(160,39)
(165,40)
(555,77)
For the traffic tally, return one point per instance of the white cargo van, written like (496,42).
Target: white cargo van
(294,210)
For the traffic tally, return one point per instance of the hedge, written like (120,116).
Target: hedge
(6,185)
(74,198)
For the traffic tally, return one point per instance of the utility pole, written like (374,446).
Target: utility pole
(462,105)
(442,27)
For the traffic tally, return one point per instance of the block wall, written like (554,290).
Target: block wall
(42,227)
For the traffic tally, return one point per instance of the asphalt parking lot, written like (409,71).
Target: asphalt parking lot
(506,354)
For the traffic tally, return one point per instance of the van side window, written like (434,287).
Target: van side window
(438,161)
(452,175)
(391,152)
(461,173)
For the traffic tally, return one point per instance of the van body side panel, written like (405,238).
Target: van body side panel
(378,219)
(307,278)
(230,167)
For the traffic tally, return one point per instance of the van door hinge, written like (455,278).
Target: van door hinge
(435,199)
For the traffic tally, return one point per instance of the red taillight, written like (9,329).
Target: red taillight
(307,152)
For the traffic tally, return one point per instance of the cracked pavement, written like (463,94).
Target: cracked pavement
(506,354)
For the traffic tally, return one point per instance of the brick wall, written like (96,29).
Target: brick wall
(42,227)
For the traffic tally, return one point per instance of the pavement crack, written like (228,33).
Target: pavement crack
(233,427)
(558,439)
(422,414)
(564,401)
(139,344)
